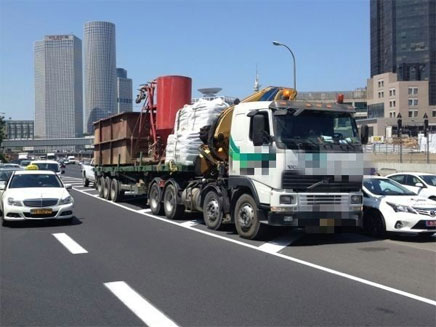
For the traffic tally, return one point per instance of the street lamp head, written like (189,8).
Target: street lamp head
(276,43)
(425,116)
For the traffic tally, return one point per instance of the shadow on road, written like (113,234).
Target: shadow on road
(44,223)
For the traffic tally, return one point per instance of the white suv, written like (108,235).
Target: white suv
(423,184)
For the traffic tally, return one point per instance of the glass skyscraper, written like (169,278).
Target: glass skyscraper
(124,91)
(100,72)
(403,40)
(58,87)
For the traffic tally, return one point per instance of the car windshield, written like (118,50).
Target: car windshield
(35,180)
(315,127)
(429,179)
(48,166)
(4,175)
(25,163)
(380,186)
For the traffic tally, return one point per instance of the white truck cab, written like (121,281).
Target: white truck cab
(302,162)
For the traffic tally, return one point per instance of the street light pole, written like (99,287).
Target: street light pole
(293,57)
(427,136)
(399,127)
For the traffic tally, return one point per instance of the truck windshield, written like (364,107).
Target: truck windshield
(312,128)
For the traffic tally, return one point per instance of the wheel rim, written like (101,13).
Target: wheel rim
(169,200)
(246,216)
(153,197)
(212,210)
(113,193)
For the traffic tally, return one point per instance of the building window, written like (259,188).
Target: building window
(413,91)
(433,113)
(392,92)
(392,114)
(413,102)
(381,83)
(413,113)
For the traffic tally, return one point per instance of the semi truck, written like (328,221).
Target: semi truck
(268,159)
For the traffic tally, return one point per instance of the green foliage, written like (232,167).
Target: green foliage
(2,128)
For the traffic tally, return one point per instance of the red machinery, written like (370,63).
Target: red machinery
(173,92)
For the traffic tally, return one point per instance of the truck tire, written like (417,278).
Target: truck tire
(246,217)
(115,192)
(212,210)
(374,224)
(100,186)
(107,188)
(154,200)
(171,208)
(85,180)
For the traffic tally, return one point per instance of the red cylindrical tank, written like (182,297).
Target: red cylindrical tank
(173,92)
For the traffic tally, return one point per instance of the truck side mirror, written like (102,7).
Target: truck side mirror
(364,134)
(258,125)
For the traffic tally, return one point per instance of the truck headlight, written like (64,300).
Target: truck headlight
(287,199)
(67,200)
(401,208)
(13,202)
(356,199)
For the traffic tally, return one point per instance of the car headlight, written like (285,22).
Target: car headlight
(67,200)
(13,202)
(287,199)
(401,208)
(356,199)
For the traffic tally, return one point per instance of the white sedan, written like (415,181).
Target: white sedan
(423,184)
(390,207)
(35,195)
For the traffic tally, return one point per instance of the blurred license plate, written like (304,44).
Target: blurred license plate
(430,223)
(41,211)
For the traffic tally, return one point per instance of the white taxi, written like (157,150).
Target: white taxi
(35,195)
(390,207)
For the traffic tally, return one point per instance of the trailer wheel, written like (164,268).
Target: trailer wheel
(154,200)
(171,208)
(116,194)
(212,211)
(246,217)
(100,186)
(107,188)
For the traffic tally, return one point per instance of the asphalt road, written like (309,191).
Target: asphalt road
(134,268)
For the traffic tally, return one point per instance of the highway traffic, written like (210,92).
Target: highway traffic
(119,265)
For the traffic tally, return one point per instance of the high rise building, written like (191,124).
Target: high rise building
(403,40)
(100,72)
(58,87)
(124,91)
(19,129)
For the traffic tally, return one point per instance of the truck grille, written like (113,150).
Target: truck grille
(317,199)
(330,183)
(39,203)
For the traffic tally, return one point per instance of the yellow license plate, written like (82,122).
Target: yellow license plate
(41,211)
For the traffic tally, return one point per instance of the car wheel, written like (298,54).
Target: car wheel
(212,211)
(154,200)
(374,224)
(246,216)
(85,181)
(171,208)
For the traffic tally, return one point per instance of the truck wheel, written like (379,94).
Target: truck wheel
(246,217)
(85,181)
(212,211)
(171,208)
(100,186)
(115,190)
(374,224)
(154,200)
(107,188)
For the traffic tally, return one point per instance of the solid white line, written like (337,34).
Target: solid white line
(142,308)
(279,243)
(83,188)
(69,243)
(302,262)
(144,210)
(189,223)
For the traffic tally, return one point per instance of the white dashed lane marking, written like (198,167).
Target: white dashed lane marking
(69,243)
(190,223)
(141,307)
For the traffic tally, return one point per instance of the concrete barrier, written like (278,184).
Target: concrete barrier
(386,168)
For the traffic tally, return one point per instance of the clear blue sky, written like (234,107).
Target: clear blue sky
(217,43)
